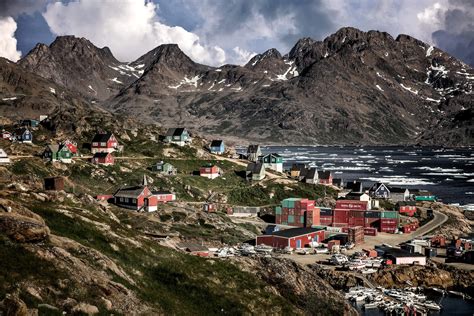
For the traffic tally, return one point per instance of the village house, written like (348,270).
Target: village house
(164,168)
(399,194)
(29,123)
(6,135)
(141,198)
(325,177)
(71,145)
(255,171)
(401,256)
(311,176)
(355,186)
(338,182)
(210,171)
(365,197)
(178,136)
(59,153)
(379,191)
(217,147)
(4,159)
(407,208)
(272,161)
(298,171)
(106,159)
(54,184)
(104,143)
(23,135)
(293,238)
(253,152)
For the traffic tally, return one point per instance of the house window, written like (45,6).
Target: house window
(121,199)
(103,144)
(95,144)
(134,201)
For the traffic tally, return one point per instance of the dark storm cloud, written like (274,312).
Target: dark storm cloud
(15,8)
(457,37)
(312,18)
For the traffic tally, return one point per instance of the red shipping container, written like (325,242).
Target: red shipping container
(341,216)
(332,243)
(356,213)
(351,205)
(370,231)
(339,224)
(345,229)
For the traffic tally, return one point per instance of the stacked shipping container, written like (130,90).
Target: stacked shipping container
(356,234)
(297,212)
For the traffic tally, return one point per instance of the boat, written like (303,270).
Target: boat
(338,259)
(371,305)
(263,248)
(431,305)
(457,294)
(302,251)
(438,290)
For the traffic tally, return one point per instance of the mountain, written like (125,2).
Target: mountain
(353,87)
(78,65)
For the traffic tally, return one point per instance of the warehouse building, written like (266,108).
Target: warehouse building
(294,237)
(401,256)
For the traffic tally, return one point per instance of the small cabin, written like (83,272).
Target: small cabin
(210,171)
(104,142)
(178,136)
(255,171)
(55,153)
(217,147)
(325,177)
(103,159)
(54,184)
(23,135)
(272,161)
(380,191)
(4,159)
(253,152)
(164,168)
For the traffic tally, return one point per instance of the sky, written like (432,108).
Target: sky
(217,32)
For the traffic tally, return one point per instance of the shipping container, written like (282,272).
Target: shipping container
(372,214)
(372,222)
(389,214)
(290,202)
(352,205)
(370,231)
(357,213)
(332,243)
(291,219)
(278,210)
(324,211)
(341,216)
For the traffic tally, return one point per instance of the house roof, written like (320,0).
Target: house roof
(397,190)
(253,149)
(160,192)
(3,154)
(354,186)
(53,148)
(400,253)
(294,232)
(217,143)
(298,167)
(21,131)
(130,192)
(102,137)
(271,155)
(324,174)
(311,173)
(406,203)
(255,167)
(101,155)
(175,131)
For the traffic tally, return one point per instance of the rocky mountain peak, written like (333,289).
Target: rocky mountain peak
(270,56)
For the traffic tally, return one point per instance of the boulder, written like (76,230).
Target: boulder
(84,308)
(23,229)
(12,305)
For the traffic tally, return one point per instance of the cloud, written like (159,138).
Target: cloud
(456,36)
(14,8)
(129,27)
(241,56)
(8,40)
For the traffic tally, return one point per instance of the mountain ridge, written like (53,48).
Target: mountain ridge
(354,87)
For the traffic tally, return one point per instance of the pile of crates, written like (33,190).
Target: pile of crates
(356,235)
(297,212)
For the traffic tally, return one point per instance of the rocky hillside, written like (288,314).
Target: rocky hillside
(352,87)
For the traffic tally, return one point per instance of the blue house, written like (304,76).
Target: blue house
(217,147)
(380,191)
(23,135)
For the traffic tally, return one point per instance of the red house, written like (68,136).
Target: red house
(71,145)
(103,159)
(325,177)
(6,135)
(293,237)
(104,143)
(210,171)
(141,198)
(407,208)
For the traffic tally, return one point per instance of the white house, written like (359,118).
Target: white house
(4,159)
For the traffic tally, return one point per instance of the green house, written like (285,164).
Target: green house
(164,168)
(272,161)
(178,136)
(57,153)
